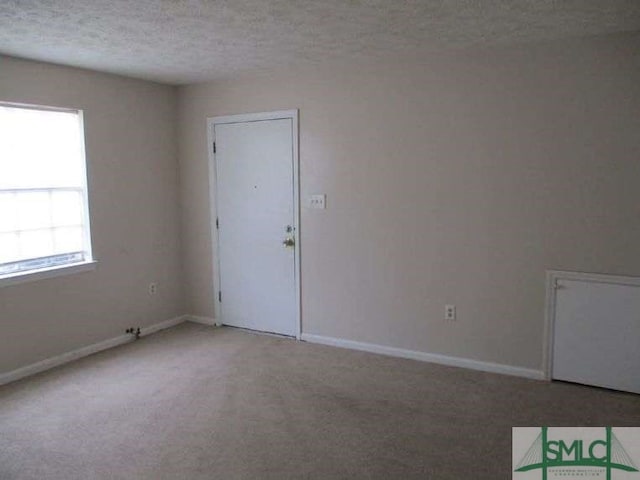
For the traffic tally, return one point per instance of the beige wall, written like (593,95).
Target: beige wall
(133,191)
(458,180)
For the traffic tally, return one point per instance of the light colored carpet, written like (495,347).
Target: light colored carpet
(200,403)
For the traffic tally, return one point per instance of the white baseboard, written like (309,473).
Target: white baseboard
(84,351)
(425,357)
(203,320)
(156,327)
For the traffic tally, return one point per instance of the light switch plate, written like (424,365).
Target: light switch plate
(318,201)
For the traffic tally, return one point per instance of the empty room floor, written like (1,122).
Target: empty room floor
(195,402)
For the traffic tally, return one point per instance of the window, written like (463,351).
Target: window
(44,213)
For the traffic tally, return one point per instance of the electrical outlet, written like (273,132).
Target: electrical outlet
(153,288)
(449,312)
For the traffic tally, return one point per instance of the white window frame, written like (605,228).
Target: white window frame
(89,263)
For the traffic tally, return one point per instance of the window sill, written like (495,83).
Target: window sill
(34,275)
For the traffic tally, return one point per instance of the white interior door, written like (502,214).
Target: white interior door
(254,164)
(597,334)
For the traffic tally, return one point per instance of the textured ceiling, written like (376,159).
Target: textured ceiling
(186,41)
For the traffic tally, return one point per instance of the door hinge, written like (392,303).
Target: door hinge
(219,296)
(217,223)
(214,147)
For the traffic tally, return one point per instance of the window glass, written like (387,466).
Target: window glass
(44,214)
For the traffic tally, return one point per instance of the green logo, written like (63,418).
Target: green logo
(607,453)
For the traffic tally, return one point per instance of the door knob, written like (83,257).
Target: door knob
(289,242)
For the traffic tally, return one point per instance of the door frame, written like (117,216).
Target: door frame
(552,285)
(213,200)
